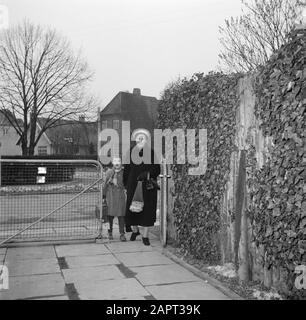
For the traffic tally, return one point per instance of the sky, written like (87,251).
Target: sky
(134,43)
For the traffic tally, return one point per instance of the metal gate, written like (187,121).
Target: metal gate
(50,200)
(164,190)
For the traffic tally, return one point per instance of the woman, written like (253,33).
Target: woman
(141,172)
(115,197)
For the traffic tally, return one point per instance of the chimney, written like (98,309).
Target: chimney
(137,91)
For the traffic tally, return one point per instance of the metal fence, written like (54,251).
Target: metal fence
(50,199)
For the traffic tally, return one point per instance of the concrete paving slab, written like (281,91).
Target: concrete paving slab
(35,273)
(186,291)
(111,289)
(134,298)
(155,244)
(87,249)
(66,231)
(172,273)
(91,261)
(153,237)
(92,274)
(30,253)
(134,259)
(53,298)
(154,240)
(130,246)
(2,250)
(34,286)
(32,267)
(2,256)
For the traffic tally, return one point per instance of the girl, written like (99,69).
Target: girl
(115,197)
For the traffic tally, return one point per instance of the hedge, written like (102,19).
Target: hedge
(25,173)
(207,102)
(278,189)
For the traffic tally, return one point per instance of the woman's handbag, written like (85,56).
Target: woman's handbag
(137,202)
(150,183)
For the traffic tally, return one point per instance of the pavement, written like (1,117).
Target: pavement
(112,270)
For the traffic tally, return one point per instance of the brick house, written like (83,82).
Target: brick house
(73,137)
(67,138)
(140,110)
(10,140)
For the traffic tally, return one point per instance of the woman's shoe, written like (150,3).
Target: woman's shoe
(134,235)
(146,241)
(122,237)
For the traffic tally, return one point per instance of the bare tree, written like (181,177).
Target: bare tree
(40,77)
(248,41)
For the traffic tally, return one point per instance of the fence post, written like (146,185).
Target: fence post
(100,236)
(98,132)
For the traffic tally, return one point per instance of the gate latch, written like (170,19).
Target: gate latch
(162,176)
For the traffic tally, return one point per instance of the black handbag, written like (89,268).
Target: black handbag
(150,183)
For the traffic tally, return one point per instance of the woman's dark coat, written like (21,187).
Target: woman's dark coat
(131,174)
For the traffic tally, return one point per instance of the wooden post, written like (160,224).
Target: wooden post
(98,131)
(243,270)
(164,206)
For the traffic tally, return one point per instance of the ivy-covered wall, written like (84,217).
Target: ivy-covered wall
(277,190)
(256,129)
(202,102)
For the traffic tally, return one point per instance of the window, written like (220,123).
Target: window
(5,131)
(42,151)
(116,124)
(104,124)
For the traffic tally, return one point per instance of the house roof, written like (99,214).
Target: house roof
(140,110)
(4,114)
(3,120)
(114,106)
(83,133)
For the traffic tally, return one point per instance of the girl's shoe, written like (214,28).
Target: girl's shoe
(146,241)
(110,235)
(134,235)
(122,237)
